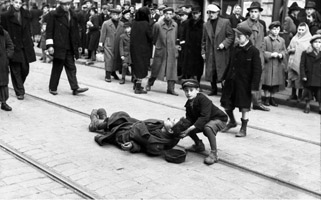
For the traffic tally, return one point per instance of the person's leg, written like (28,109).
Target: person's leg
(293,95)
(17,82)
(138,87)
(71,71)
(171,88)
(115,75)
(57,66)
(232,123)
(4,95)
(272,100)
(107,76)
(123,74)
(244,120)
(150,83)
(266,98)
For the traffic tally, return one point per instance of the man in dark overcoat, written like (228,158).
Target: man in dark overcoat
(193,63)
(17,22)
(62,40)
(242,80)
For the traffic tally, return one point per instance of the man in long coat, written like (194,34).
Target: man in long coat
(17,22)
(218,36)
(109,40)
(164,63)
(62,41)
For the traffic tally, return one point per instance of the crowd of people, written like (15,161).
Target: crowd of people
(237,52)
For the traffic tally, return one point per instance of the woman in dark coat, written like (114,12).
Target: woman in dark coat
(6,51)
(242,80)
(310,70)
(93,34)
(141,46)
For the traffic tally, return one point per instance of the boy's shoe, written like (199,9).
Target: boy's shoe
(211,158)
(199,147)
(5,107)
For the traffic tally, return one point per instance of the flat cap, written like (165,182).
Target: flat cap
(168,9)
(244,30)
(190,83)
(275,24)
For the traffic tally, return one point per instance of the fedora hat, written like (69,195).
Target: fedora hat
(310,4)
(255,5)
(294,6)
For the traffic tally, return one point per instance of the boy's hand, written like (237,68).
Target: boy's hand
(184,133)
(127,146)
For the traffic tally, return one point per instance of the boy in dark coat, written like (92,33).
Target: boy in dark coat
(124,51)
(151,136)
(242,80)
(311,72)
(6,52)
(205,117)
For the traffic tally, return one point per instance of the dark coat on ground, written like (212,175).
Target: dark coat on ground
(243,76)
(201,110)
(146,136)
(310,68)
(124,48)
(273,70)
(35,18)
(59,32)
(6,52)
(20,34)
(93,34)
(210,42)
(193,61)
(141,44)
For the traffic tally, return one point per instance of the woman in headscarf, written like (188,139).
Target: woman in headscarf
(299,43)
(141,47)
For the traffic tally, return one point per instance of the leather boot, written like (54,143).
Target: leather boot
(211,158)
(171,88)
(150,83)
(107,76)
(266,101)
(139,89)
(232,123)
(5,107)
(242,132)
(272,102)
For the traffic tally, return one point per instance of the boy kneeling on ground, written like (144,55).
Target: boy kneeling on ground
(205,117)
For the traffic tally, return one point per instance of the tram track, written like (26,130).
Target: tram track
(221,161)
(79,190)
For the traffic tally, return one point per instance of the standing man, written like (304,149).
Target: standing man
(109,40)
(62,40)
(164,62)
(17,22)
(217,38)
(257,39)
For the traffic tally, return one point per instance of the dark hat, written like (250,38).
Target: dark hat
(244,30)
(190,83)
(175,155)
(196,9)
(310,4)
(127,24)
(294,6)
(126,3)
(181,12)
(255,5)
(168,9)
(314,37)
(114,10)
(125,12)
(274,24)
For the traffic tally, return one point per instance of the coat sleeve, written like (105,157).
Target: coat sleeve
(9,45)
(149,33)
(103,33)
(267,54)
(303,65)
(50,30)
(256,70)
(121,46)
(229,35)
(155,32)
(204,35)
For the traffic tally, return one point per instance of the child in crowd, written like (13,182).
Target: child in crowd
(124,50)
(205,117)
(6,52)
(299,43)
(273,71)
(310,69)
(43,47)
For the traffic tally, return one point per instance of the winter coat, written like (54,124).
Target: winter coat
(93,34)
(6,52)
(201,110)
(62,34)
(124,48)
(35,24)
(213,57)
(193,63)
(273,71)
(109,37)
(141,44)
(20,35)
(243,76)
(164,39)
(310,67)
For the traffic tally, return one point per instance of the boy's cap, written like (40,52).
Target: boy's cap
(190,83)
(274,24)
(244,30)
